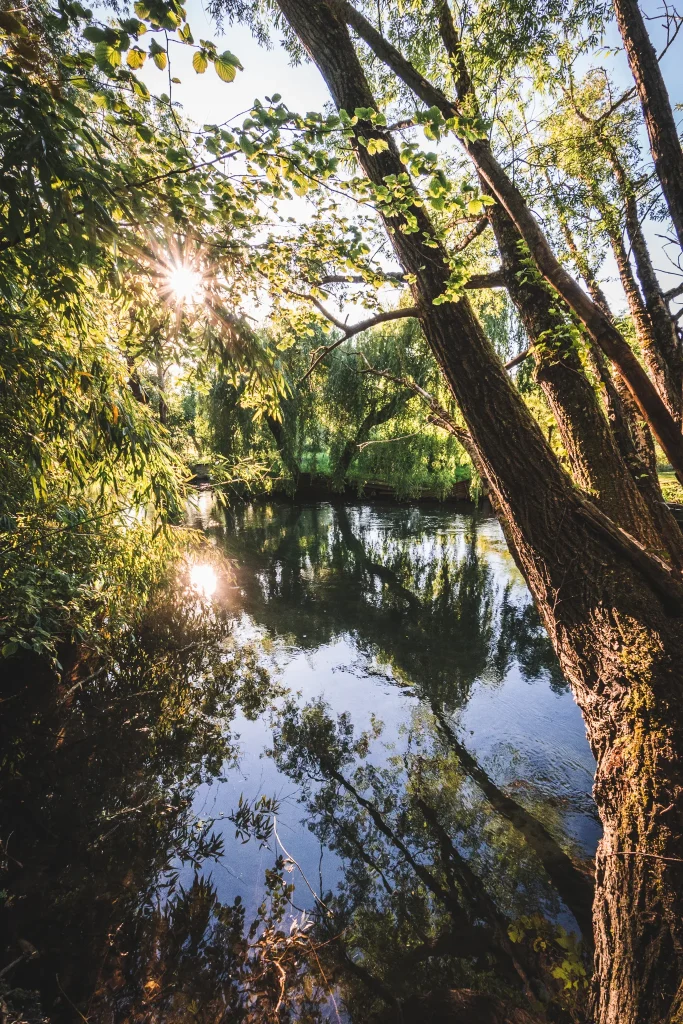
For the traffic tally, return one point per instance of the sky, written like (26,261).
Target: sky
(206,99)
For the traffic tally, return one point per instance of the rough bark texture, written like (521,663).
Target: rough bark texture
(612,611)
(631,432)
(654,98)
(596,462)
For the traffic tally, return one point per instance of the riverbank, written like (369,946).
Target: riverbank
(318,487)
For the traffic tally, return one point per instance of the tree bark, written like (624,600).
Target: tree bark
(613,611)
(631,432)
(665,145)
(596,461)
(658,338)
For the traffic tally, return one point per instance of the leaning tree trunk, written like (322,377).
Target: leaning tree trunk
(631,433)
(613,611)
(659,341)
(600,327)
(665,145)
(596,462)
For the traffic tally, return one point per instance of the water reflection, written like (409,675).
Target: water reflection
(204,580)
(378,681)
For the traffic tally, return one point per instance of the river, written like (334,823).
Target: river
(348,730)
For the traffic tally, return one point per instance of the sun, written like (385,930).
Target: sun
(185,284)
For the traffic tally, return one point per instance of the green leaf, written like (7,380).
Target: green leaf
(141,90)
(475,207)
(11,24)
(200,62)
(136,58)
(230,58)
(94,34)
(133,26)
(107,56)
(10,648)
(226,72)
(377,146)
(158,55)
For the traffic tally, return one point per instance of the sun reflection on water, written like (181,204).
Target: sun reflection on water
(203,579)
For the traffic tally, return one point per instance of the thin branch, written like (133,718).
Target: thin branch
(674,292)
(180,170)
(477,230)
(390,276)
(516,360)
(349,332)
(386,440)
(292,859)
(440,416)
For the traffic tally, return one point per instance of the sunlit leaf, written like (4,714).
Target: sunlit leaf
(136,58)
(200,62)
(226,72)
(107,56)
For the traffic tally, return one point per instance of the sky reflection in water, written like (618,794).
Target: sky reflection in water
(380,673)
(339,630)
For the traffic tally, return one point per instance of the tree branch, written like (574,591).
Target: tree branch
(494,279)
(439,413)
(516,360)
(477,230)
(506,192)
(393,276)
(349,332)
(674,292)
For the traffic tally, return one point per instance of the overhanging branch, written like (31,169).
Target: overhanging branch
(390,276)
(350,331)
(477,230)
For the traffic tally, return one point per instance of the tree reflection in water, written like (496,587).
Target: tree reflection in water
(451,888)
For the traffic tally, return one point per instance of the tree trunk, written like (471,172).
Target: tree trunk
(665,145)
(596,462)
(374,419)
(289,461)
(659,340)
(613,612)
(631,432)
(599,326)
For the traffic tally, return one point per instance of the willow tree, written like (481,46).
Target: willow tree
(609,591)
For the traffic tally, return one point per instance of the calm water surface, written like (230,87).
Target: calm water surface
(401,710)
